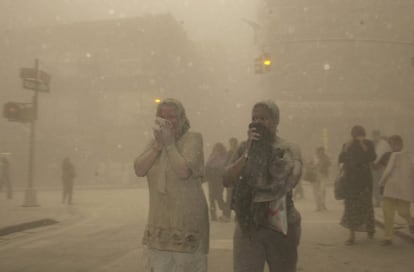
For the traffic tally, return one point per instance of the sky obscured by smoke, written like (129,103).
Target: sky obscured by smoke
(202,19)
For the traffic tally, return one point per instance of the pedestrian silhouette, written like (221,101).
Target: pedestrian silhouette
(322,164)
(177,231)
(263,173)
(68,176)
(397,187)
(5,177)
(357,156)
(214,170)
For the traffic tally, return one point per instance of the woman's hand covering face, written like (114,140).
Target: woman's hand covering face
(163,132)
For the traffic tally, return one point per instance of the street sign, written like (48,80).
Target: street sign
(36,85)
(34,79)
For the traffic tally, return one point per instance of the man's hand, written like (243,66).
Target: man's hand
(252,135)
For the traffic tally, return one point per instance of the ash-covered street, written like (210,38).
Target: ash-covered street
(102,231)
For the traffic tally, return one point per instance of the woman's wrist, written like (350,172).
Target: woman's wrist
(157,148)
(169,147)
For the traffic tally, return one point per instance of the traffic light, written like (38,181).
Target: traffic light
(263,63)
(18,112)
(267,62)
(258,65)
(11,111)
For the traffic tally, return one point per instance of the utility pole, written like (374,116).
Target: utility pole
(30,197)
(38,81)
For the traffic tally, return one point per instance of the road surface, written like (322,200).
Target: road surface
(103,231)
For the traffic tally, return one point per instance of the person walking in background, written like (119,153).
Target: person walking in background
(397,187)
(298,192)
(214,170)
(5,177)
(309,175)
(381,147)
(322,163)
(264,170)
(357,156)
(68,176)
(177,230)
(233,146)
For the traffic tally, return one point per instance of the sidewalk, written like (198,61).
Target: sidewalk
(12,212)
(221,242)
(49,209)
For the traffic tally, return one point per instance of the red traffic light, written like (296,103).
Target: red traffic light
(11,111)
(18,112)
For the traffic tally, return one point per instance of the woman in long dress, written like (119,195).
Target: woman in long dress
(177,231)
(356,156)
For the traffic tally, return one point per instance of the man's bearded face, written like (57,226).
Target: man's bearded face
(262,115)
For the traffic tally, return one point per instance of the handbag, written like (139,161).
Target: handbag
(340,184)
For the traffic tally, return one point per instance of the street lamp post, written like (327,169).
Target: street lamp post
(30,196)
(37,81)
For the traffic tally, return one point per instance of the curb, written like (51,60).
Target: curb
(28,225)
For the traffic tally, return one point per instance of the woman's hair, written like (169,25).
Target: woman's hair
(183,120)
(219,148)
(358,131)
(272,108)
(396,140)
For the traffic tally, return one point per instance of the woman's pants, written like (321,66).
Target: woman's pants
(389,206)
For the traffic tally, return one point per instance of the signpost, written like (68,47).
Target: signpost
(38,81)
(35,79)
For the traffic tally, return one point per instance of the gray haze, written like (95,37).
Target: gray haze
(335,64)
(210,29)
